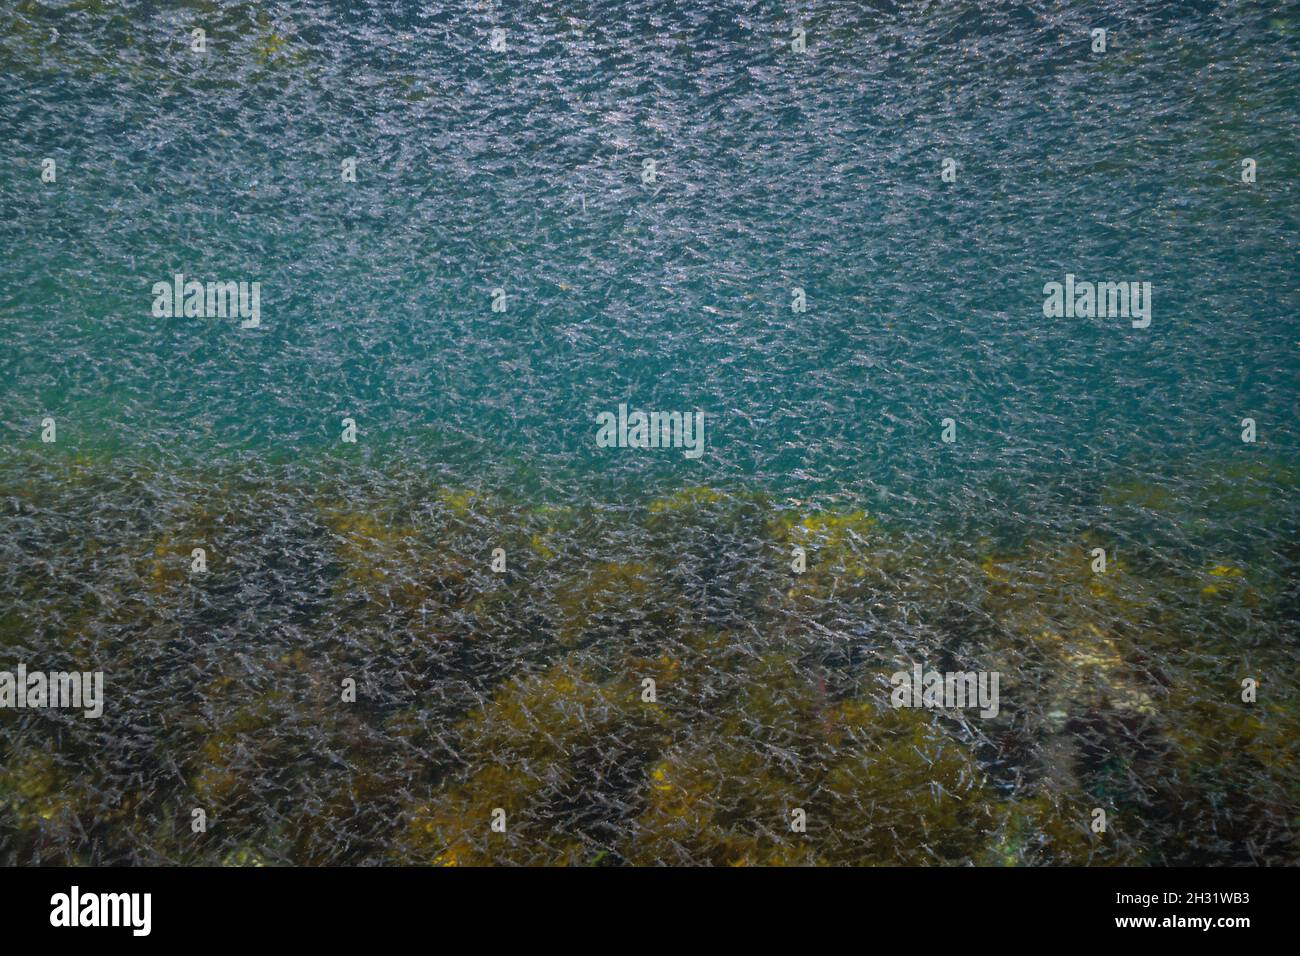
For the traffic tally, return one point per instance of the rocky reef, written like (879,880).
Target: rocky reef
(378,668)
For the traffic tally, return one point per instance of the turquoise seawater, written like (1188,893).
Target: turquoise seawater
(523,169)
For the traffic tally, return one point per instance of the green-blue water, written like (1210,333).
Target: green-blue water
(522,170)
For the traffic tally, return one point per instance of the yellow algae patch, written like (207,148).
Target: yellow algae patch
(34,790)
(999,569)
(542,717)
(782,699)
(1056,587)
(722,807)
(685,499)
(606,594)
(370,550)
(269,46)
(218,773)
(454,828)
(538,544)
(1233,740)
(169,564)
(394,564)
(908,792)
(461,503)
(837,543)
(1226,580)
(243,857)
(1051,829)
(531,742)
(173,554)
(832,526)
(663,669)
